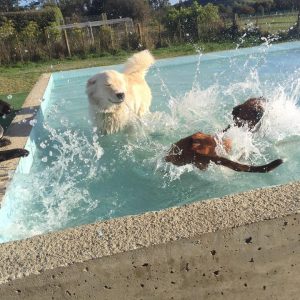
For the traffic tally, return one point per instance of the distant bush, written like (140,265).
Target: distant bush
(29,35)
(7,30)
(43,18)
(106,38)
(190,23)
(244,10)
(35,35)
(7,38)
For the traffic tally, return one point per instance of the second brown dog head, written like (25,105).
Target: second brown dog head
(249,113)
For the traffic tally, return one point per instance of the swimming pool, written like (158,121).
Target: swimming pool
(76,176)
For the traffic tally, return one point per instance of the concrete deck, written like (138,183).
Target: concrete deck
(80,244)
(205,250)
(257,261)
(20,129)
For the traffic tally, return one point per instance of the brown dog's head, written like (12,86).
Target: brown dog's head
(249,113)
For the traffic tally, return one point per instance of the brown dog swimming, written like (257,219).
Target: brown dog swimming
(199,149)
(248,113)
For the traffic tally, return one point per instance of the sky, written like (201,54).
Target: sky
(23,2)
(171,1)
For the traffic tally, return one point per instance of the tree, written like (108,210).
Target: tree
(159,4)
(95,7)
(190,21)
(8,5)
(261,9)
(243,9)
(70,7)
(287,4)
(262,5)
(136,9)
(252,6)
(76,7)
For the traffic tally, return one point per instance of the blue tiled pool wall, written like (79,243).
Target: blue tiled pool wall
(184,59)
(66,186)
(26,163)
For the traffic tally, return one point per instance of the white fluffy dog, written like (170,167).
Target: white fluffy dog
(115,97)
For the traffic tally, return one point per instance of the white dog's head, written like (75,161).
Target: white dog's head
(107,90)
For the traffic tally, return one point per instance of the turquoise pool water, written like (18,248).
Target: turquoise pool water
(76,176)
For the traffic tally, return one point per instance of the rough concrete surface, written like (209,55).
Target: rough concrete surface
(257,261)
(62,248)
(241,246)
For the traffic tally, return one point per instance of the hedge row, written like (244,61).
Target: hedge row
(48,16)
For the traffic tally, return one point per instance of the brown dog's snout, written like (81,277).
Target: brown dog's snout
(120,96)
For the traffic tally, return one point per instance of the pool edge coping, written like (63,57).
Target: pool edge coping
(74,245)
(86,242)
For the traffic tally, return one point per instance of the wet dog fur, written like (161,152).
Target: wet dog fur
(114,97)
(199,149)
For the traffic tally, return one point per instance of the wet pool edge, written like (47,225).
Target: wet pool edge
(18,132)
(112,237)
(254,261)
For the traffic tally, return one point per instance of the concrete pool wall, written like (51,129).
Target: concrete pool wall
(256,261)
(19,131)
(243,246)
(228,245)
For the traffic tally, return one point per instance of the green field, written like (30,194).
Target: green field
(17,81)
(273,23)
(16,100)
(21,77)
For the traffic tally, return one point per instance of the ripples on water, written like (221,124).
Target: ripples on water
(80,177)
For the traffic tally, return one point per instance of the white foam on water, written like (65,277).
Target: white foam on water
(282,117)
(80,176)
(48,199)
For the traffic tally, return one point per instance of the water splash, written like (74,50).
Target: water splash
(80,176)
(57,191)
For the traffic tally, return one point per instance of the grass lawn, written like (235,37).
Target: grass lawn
(16,81)
(20,78)
(16,100)
(273,23)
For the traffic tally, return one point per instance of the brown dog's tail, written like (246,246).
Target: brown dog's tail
(246,168)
